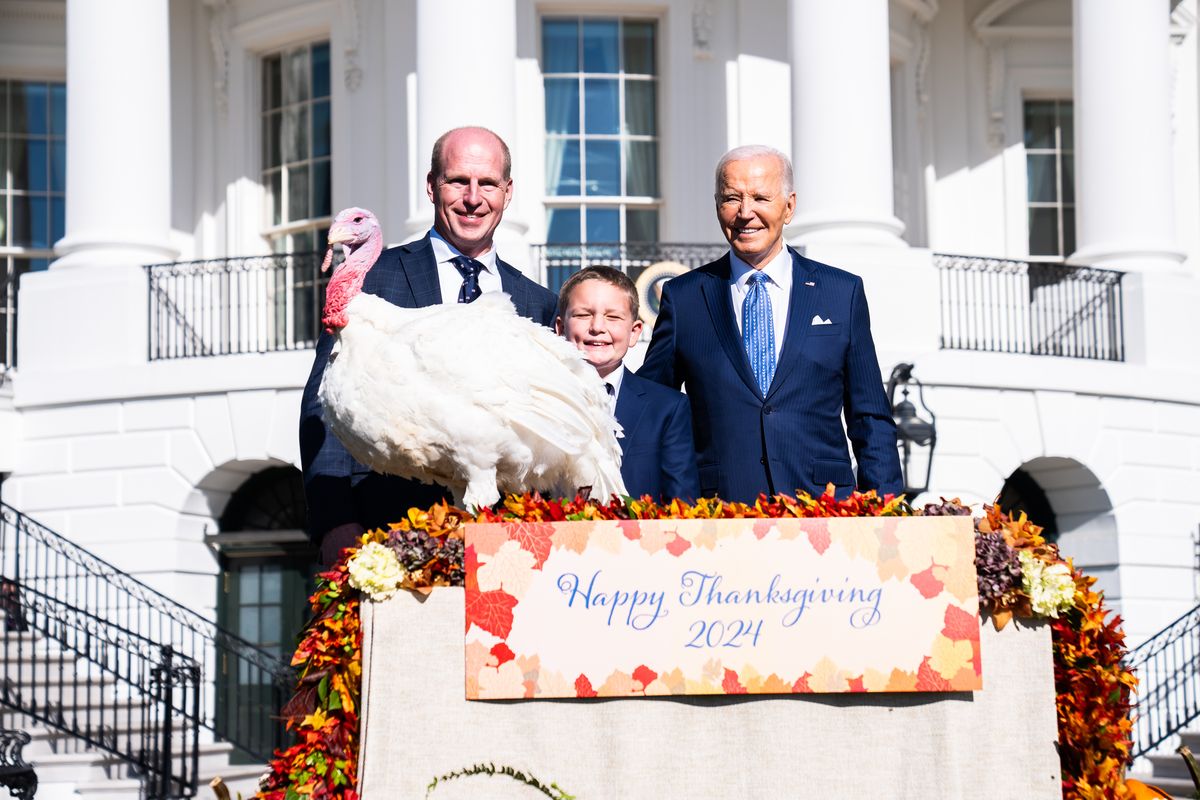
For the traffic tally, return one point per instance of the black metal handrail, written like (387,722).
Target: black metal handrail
(225,306)
(105,685)
(1029,307)
(557,262)
(252,683)
(1167,666)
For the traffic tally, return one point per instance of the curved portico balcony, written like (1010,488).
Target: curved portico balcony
(272,303)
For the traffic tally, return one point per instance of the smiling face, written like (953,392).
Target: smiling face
(753,207)
(471,193)
(599,321)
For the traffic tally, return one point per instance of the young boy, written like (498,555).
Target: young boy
(598,313)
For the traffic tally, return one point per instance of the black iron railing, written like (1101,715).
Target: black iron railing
(105,685)
(225,306)
(1167,667)
(1035,308)
(240,687)
(557,262)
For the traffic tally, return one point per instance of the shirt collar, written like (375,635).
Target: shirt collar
(779,270)
(615,377)
(444,251)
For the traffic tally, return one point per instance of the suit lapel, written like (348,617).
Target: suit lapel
(631,404)
(420,268)
(720,306)
(800,308)
(513,286)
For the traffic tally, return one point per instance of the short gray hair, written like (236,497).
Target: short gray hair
(748,151)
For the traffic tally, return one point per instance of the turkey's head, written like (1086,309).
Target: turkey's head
(361,239)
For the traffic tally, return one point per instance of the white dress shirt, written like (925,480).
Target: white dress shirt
(614,379)
(450,279)
(779,289)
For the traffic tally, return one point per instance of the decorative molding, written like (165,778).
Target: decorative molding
(351,33)
(997,63)
(923,11)
(995,38)
(31,10)
(702,29)
(218,39)
(1183,21)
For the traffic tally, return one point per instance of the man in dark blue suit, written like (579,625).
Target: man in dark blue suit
(470,185)
(775,350)
(598,313)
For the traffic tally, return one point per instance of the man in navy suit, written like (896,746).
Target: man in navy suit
(598,313)
(775,349)
(470,185)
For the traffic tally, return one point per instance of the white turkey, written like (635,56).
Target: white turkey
(471,396)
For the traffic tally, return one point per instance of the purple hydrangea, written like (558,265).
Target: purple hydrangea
(997,567)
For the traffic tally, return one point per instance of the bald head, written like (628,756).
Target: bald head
(464,137)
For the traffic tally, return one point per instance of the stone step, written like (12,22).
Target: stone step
(47,740)
(77,768)
(1169,764)
(112,789)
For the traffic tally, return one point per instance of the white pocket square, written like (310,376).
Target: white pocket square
(818,321)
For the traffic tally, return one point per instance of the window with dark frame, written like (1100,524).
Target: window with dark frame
(33,185)
(297,150)
(1050,178)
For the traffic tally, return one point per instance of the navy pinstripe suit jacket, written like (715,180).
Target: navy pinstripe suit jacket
(792,438)
(339,490)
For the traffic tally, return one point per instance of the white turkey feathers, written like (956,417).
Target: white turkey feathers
(471,396)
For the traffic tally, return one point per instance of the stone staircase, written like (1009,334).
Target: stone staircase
(68,768)
(1168,770)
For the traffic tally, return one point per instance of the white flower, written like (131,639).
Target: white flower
(1050,587)
(375,571)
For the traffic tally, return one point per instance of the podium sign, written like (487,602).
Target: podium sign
(731,606)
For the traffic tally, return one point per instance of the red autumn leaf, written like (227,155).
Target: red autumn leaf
(801,685)
(927,584)
(470,565)
(491,611)
(583,687)
(928,680)
(678,545)
(762,526)
(631,528)
(818,537)
(502,653)
(976,658)
(960,626)
(731,684)
(856,684)
(644,675)
(535,538)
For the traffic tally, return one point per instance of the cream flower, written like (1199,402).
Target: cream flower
(375,571)
(1050,587)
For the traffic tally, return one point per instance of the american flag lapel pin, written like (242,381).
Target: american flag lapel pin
(809,283)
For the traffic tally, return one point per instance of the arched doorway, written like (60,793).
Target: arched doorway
(1069,502)
(267,566)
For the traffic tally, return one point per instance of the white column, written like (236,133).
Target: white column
(842,123)
(466,75)
(118,134)
(1125,209)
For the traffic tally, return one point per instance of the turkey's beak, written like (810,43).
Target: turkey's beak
(340,233)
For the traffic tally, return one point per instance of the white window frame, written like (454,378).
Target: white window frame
(1025,83)
(622,201)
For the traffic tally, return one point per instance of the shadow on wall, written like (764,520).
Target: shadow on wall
(1069,502)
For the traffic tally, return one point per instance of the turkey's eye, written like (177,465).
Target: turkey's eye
(358,219)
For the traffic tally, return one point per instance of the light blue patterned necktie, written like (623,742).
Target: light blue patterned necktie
(758,331)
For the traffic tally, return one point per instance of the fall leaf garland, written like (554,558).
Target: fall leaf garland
(1092,686)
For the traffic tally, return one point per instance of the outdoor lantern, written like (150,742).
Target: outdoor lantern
(911,430)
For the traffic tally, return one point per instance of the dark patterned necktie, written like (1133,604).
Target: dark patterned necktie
(470,269)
